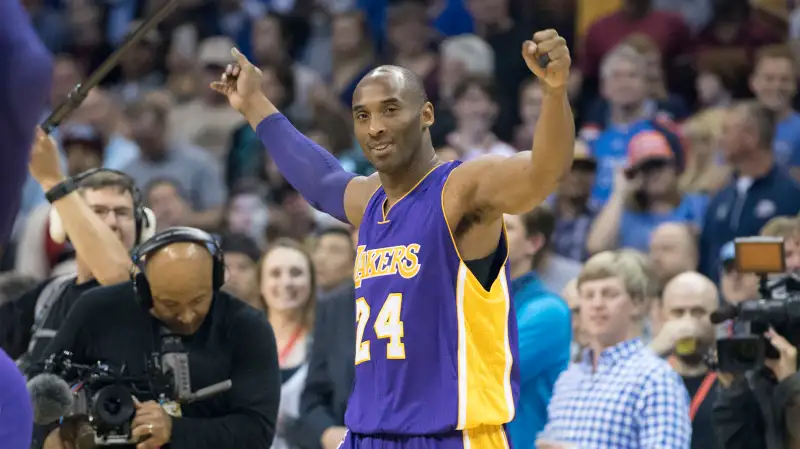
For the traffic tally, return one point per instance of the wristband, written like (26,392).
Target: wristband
(61,190)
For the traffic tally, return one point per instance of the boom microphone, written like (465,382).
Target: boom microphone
(51,397)
(80,91)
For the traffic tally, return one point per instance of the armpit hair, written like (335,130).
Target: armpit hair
(469,220)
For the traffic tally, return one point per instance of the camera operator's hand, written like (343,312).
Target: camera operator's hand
(726,379)
(151,425)
(673,330)
(45,165)
(786,365)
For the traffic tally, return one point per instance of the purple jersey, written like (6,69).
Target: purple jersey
(435,351)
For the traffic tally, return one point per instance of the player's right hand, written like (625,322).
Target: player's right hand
(241,82)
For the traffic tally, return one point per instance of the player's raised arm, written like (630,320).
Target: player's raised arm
(308,167)
(25,73)
(498,185)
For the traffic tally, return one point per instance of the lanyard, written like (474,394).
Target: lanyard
(290,345)
(701,393)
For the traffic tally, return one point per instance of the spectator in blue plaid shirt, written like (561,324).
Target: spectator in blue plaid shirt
(620,395)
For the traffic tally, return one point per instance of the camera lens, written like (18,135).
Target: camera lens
(113,406)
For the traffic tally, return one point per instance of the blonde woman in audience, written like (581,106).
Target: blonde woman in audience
(705,171)
(288,289)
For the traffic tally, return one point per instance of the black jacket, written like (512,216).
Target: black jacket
(752,413)
(331,370)
(235,342)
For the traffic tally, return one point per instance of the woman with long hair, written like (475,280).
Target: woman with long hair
(289,293)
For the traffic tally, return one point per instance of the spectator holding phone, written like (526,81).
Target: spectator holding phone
(645,195)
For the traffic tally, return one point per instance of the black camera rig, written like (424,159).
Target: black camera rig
(778,308)
(106,396)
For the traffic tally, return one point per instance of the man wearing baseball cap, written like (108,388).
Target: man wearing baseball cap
(645,195)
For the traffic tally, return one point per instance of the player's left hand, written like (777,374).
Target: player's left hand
(151,425)
(556,74)
(786,365)
(45,164)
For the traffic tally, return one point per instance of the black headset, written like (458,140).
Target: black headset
(167,237)
(145,220)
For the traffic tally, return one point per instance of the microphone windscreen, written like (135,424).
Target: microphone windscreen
(51,398)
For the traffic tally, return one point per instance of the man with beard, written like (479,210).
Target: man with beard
(688,300)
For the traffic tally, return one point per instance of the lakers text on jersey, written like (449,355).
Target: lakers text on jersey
(435,351)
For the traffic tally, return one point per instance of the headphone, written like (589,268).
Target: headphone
(167,237)
(144,217)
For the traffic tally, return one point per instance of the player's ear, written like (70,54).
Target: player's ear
(427,115)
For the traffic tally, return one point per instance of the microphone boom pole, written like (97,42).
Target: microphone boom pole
(79,92)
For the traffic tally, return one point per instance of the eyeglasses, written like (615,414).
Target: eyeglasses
(125,213)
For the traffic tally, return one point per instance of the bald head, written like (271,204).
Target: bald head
(181,282)
(181,256)
(673,229)
(672,250)
(692,287)
(406,81)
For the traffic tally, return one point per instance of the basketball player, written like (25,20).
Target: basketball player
(435,329)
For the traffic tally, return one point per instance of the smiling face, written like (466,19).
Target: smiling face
(390,117)
(286,280)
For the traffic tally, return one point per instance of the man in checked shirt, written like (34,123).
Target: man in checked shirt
(620,394)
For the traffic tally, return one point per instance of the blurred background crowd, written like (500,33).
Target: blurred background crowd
(688,134)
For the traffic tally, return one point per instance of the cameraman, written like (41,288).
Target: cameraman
(178,292)
(760,409)
(102,218)
(755,410)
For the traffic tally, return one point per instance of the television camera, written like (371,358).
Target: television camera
(779,307)
(105,396)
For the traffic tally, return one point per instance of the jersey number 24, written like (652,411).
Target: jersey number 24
(387,326)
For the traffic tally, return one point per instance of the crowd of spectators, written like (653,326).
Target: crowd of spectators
(688,138)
